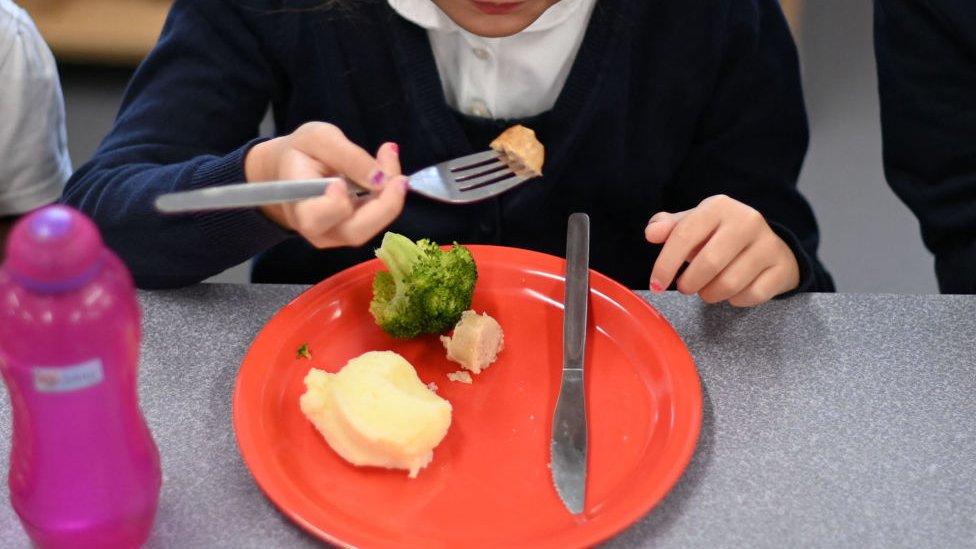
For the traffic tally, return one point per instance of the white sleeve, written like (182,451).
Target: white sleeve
(33,145)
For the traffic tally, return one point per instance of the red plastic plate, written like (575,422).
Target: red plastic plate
(489,483)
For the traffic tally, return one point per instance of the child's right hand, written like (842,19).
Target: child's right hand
(334,219)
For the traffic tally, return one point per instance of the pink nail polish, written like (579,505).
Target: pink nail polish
(377,178)
(656,286)
(395,148)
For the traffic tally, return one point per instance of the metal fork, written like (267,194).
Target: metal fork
(463,180)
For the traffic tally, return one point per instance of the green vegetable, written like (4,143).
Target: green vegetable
(304,352)
(425,290)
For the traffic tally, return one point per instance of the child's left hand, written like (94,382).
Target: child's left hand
(732,252)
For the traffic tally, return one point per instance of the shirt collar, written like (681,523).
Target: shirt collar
(425,14)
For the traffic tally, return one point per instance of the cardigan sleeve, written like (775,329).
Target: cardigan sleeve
(752,136)
(927,81)
(188,118)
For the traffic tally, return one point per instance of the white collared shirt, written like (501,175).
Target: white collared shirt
(33,147)
(510,77)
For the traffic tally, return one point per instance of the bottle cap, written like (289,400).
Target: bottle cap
(54,249)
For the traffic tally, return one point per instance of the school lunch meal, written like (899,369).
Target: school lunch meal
(375,411)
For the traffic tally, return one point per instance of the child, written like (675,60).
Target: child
(927,79)
(685,114)
(33,147)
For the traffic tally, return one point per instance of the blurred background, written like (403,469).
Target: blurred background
(870,241)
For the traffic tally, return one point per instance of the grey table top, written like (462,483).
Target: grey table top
(828,420)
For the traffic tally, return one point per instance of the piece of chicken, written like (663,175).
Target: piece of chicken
(476,341)
(523,149)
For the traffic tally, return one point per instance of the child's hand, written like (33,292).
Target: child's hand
(334,219)
(732,253)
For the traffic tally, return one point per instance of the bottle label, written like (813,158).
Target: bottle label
(68,378)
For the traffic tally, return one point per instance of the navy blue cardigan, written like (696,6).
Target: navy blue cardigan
(926,53)
(668,102)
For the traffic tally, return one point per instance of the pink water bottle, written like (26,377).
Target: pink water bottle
(84,470)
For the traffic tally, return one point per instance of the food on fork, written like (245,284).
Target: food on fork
(425,289)
(521,146)
(476,341)
(376,412)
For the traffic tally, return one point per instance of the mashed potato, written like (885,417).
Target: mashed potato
(376,412)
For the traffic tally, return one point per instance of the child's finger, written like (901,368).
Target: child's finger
(295,164)
(722,248)
(766,286)
(370,218)
(327,144)
(692,231)
(737,276)
(313,218)
(388,155)
(660,226)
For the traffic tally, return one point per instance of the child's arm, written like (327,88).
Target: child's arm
(746,159)
(185,122)
(189,120)
(927,80)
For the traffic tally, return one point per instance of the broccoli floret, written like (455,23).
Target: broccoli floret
(425,290)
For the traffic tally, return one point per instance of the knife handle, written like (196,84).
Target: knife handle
(577,289)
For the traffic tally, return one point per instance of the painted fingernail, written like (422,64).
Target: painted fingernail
(406,184)
(656,286)
(377,178)
(395,148)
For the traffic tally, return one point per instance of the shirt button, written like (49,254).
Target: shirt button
(480,109)
(481,53)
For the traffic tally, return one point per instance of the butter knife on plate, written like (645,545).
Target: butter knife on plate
(568,447)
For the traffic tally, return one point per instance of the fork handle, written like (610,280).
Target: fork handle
(247,195)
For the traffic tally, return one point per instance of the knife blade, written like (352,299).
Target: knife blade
(568,447)
(244,195)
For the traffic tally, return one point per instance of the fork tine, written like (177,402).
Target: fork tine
(487,179)
(471,167)
(482,171)
(493,189)
(467,179)
(473,160)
